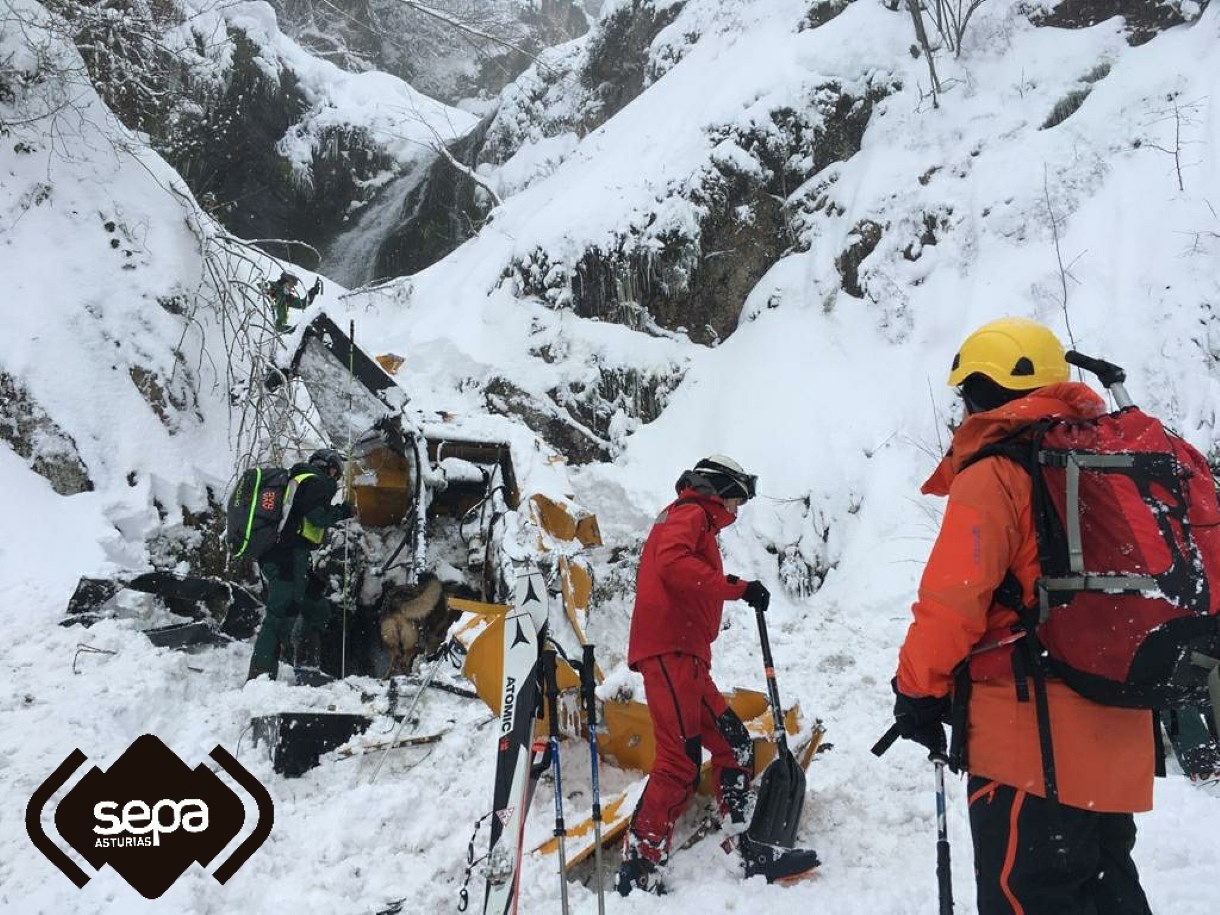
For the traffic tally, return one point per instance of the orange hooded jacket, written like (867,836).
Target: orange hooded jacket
(1104,756)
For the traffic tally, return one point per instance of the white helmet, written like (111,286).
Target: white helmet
(727,477)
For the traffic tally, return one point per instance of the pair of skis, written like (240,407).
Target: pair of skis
(529,668)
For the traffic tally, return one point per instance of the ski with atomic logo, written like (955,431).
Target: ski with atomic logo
(520,761)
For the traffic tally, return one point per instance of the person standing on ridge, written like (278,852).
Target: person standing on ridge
(680,593)
(284,296)
(1032,855)
(286,567)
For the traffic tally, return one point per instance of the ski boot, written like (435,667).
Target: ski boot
(736,807)
(310,676)
(638,873)
(307,668)
(778,865)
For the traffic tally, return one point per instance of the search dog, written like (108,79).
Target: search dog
(408,616)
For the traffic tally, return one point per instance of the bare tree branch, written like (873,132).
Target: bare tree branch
(461,26)
(1063,270)
(921,34)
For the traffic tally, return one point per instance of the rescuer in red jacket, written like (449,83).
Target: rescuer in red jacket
(680,593)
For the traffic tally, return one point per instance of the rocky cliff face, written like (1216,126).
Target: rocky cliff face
(217,98)
(36,438)
(452,51)
(567,93)
(1142,19)
(692,275)
(217,108)
(220,107)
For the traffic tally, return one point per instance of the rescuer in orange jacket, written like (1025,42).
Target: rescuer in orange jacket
(680,593)
(1011,373)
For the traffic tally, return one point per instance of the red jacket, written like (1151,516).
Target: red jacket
(681,586)
(1103,755)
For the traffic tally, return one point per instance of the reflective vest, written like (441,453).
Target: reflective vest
(309,531)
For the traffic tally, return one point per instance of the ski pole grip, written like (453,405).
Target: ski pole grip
(943,879)
(588,683)
(886,741)
(550,680)
(1107,373)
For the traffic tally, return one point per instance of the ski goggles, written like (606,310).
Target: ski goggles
(749,482)
(745,483)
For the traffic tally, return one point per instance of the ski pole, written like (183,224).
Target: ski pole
(587,689)
(441,657)
(551,681)
(347,534)
(943,881)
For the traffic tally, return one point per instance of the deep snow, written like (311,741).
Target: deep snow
(838,404)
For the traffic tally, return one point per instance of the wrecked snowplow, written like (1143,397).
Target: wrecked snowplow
(429,495)
(406,476)
(406,482)
(414,481)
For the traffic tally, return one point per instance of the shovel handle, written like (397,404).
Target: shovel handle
(777,710)
(886,741)
(1109,374)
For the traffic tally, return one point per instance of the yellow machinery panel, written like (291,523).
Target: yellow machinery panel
(483,636)
(555,518)
(390,362)
(383,490)
(629,741)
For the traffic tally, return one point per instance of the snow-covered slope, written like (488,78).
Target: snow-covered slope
(1101,225)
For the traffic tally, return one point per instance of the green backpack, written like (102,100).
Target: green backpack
(256,511)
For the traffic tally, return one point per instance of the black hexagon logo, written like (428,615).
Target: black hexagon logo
(150,816)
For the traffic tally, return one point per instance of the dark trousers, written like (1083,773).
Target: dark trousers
(289,596)
(1018,870)
(688,713)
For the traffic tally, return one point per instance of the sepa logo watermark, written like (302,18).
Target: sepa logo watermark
(141,825)
(150,816)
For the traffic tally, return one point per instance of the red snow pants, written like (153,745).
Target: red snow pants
(688,713)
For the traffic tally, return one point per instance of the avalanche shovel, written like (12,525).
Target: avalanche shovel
(781,790)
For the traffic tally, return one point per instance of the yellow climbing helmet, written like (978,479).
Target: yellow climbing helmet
(1015,353)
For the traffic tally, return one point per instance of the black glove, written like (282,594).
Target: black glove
(315,288)
(921,719)
(756,595)
(346,510)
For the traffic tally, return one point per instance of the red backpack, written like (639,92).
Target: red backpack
(1128,528)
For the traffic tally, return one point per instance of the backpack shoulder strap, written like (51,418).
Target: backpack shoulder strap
(1020,446)
(290,492)
(1023,447)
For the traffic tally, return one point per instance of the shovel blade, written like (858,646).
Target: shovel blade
(781,797)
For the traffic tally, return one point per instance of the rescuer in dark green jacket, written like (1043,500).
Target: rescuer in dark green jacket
(283,293)
(292,590)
